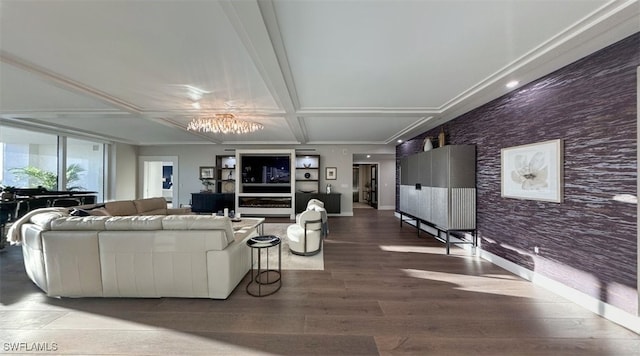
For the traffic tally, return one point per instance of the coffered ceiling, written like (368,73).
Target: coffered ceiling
(313,72)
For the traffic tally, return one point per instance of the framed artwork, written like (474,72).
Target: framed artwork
(533,171)
(207,172)
(331,173)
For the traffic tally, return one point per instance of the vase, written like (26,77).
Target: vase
(441,138)
(427,144)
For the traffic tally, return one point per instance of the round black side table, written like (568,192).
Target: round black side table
(264,281)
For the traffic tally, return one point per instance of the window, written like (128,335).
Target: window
(85,166)
(29,159)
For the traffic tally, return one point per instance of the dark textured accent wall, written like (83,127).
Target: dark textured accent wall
(587,242)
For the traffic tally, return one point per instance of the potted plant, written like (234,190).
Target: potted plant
(207,184)
(49,180)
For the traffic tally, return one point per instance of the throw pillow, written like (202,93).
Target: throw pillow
(79,212)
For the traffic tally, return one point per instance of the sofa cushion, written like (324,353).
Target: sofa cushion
(75,223)
(154,212)
(89,206)
(31,236)
(44,219)
(155,263)
(72,263)
(199,222)
(79,212)
(144,222)
(178,211)
(99,212)
(121,208)
(151,206)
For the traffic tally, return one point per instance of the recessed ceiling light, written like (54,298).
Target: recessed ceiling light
(513,84)
(399,141)
(368,156)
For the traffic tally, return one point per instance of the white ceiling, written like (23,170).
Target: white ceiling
(313,72)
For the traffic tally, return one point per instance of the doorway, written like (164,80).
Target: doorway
(373,183)
(365,185)
(158,178)
(356,184)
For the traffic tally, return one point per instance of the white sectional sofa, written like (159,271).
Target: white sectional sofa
(192,256)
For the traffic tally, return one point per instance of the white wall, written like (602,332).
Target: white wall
(123,175)
(387,184)
(340,156)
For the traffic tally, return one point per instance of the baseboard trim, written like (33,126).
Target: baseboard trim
(588,302)
(605,310)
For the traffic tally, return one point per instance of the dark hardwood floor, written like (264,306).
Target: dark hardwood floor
(383,291)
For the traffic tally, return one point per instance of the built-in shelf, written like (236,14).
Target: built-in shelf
(226,174)
(265,182)
(307,174)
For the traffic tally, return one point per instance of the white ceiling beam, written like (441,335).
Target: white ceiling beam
(250,25)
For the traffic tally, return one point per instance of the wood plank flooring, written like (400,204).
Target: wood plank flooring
(384,291)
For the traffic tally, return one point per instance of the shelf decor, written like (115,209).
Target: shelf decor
(228,187)
(533,171)
(441,137)
(427,144)
(331,173)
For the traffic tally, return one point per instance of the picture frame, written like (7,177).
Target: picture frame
(533,171)
(331,173)
(207,172)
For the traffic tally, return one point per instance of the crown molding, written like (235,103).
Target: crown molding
(67,83)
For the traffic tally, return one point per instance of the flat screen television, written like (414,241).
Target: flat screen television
(266,169)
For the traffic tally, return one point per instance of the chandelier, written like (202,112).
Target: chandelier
(223,123)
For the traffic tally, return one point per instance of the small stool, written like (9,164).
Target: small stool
(269,279)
